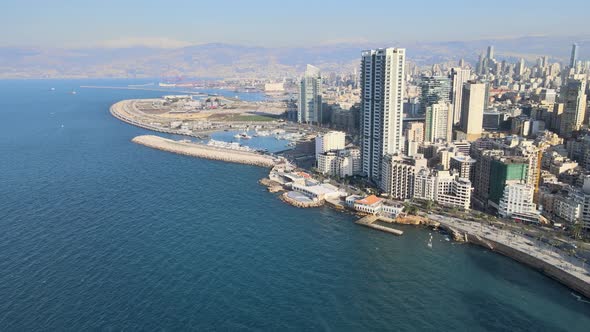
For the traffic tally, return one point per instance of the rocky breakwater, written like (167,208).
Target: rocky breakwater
(205,151)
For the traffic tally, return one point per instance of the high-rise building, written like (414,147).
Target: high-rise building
(413,137)
(310,96)
(521,67)
(330,141)
(382,81)
(472,106)
(439,122)
(505,171)
(573,95)
(517,202)
(435,89)
(399,172)
(490,55)
(464,165)
(573,56)
(458,77)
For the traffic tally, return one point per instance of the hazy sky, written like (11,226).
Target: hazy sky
(280,23)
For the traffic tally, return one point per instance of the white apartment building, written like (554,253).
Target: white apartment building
(327,163)
(330,141)
(453,191)
(517,203)
(439,122)
(342,163)
(383,86)
(398,173)
(442,187)
(458,77)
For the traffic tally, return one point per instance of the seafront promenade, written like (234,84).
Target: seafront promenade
(552,262)
(206,151)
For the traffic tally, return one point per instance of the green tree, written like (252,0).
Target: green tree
(577,230)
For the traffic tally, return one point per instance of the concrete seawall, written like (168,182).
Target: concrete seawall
(544,267)
(205,151)
(551,263)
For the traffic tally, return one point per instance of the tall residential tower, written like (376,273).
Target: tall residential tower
(310,96)
(382,83)
(458,77)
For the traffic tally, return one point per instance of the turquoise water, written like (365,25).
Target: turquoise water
(99,233)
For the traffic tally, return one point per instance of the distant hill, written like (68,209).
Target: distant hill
(225,60)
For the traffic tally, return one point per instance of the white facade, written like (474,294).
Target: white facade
(342,163)
(458,77)
(327,163)
(383,86)
(330,141)
(517,202)
(443,187)
(453,191)
(398,175)
(439,122)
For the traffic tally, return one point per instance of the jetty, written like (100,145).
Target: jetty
(370,221)
(198,150)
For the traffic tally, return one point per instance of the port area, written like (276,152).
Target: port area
(181,117)
(374,223)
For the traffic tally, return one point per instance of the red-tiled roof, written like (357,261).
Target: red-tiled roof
(369,200)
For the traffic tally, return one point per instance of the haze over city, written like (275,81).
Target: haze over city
(303,165)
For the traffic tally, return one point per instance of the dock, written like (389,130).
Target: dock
(369,221)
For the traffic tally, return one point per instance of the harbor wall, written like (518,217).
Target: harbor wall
(546,268)
(205,151)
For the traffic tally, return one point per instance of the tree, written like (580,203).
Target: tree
(409,208)
(428,205)
(577,230)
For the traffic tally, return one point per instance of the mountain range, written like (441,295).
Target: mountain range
(219,60)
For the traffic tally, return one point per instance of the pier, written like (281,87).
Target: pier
(369,221)
(206,151)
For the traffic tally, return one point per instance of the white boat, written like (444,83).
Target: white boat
(238,136)
(430,241)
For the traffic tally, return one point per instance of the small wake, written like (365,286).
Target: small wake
(579,298)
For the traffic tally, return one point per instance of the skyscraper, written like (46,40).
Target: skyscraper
(574,55)
(521,67)
(472,106)
(573,95)
(490,52)
(435,89)
(310,96)
(458,77)
(439,122)
(382,81)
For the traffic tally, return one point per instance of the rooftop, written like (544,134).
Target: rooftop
(369,200)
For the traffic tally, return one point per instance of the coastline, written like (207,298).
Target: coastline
(579,283)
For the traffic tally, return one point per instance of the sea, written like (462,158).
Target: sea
(98,233)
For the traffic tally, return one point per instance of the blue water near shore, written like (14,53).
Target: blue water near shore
(99,233)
